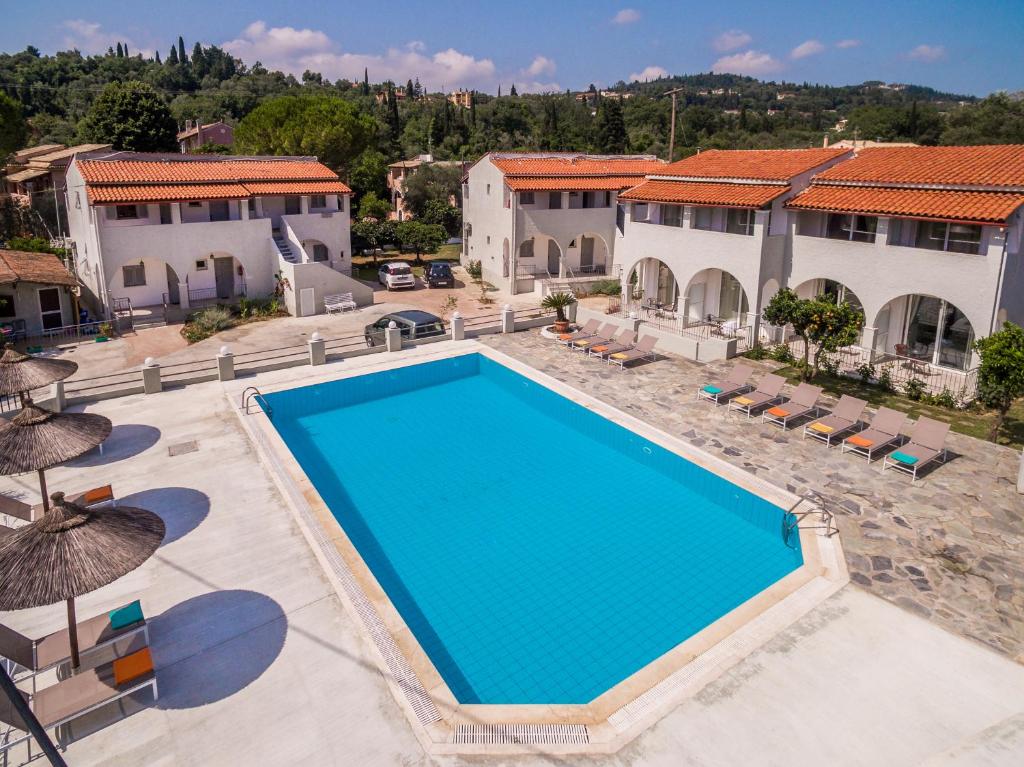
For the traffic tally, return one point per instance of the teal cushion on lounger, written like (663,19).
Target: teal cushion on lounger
(910,460)
(126,616)
(712,389)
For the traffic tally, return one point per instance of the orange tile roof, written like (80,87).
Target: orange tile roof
(979,166)
(99,195)
(711,193)
(941,205)
(576,165)
(44,268)
(570,183)
(186,171)
(756,164)
(297,187)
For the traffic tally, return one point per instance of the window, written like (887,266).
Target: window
(596,199)
(318,201)
(320,252)
(252,207)
(165,214)
(555,200)
(955,238)
(641,211)
(201,265)
(219,210)
(195,205)
(526,198)
(133,275)
(292,206)
(488,189)
(7,305)
(125,212)
(843,226)
(702,218)
(672,215)
(740,221)
(526,249)
(341,202)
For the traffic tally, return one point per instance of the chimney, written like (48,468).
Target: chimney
(824,143)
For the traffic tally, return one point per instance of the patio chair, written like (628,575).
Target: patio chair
(768,392)
(644,349)
(737,382)
(623,342)
(803,400)
(845,416)
(81,694)
(588,329)
(603,336)
(97,496)
(883,431)
(927,443)
(37,655)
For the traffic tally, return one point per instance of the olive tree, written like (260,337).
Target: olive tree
(1001,373)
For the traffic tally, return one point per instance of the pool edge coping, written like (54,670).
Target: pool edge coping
(621,713)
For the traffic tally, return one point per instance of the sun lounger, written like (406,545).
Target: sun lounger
(768,392)
(803,400)
(80,694)
(603,336)
(623,342)
(737,382)
(845,416)
(589,329)
(882,432)
(30,512)
(101,631)
(927,443)
(644,349)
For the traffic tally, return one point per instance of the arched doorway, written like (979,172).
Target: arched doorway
(587,253)
(652,282)
(925,328)
(316,251)
(717,295)
(831,289)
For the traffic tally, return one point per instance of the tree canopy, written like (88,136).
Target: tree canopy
(13,130)
(372,206)
(131,116)
(820,322)
(1001,373)
(432,182)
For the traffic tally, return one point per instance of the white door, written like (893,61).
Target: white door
(307,302)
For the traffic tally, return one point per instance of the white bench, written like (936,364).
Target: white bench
(339,302)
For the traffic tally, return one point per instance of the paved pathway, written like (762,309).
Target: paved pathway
(950,547)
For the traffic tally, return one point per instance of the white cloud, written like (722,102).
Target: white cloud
(541,65)
(648,73)
(849,43)
(296,50)
(90,37)
(626,16)
(805,49)
(731,40)
(747,63)
(928,53)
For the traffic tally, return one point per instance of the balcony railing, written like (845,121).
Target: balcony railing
(666,317)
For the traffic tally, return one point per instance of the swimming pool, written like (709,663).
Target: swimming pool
(538,552)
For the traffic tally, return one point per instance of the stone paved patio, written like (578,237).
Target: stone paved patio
(949,548)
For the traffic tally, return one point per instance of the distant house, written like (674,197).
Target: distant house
(461,98)
(36,294)
(399,92)
(34,170)
(196,135)
(398,174)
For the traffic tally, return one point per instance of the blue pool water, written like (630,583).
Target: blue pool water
(538,552)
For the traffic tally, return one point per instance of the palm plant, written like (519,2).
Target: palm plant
(559,302)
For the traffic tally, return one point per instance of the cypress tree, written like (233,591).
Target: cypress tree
(611,127)
(181,51)
(472,108)
(172,57)
(157,57)
(512,92)
(409,90)
(366,81)
(126,50)
(120,51)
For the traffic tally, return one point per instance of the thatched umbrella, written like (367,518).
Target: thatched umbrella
(36,439)
(23,372)
(71,551)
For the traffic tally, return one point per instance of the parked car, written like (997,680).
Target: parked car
(413,324)
(438,275)
(396,275)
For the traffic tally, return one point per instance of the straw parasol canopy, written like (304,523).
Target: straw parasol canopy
(23,372)
(36,439)
(70,551)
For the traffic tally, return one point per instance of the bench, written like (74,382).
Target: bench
(339,302)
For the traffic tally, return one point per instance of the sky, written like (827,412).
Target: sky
(971,47)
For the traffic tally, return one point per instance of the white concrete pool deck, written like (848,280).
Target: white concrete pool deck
(259,664)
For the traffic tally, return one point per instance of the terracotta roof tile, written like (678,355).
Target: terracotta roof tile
(756,164)
(297,187)
(570,183)
(988,166)
(576,165)
(186,171)
(100,195)
(706,193)
(944,205)
(45,268)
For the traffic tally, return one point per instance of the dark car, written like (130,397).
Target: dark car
(413,324)
(439,275)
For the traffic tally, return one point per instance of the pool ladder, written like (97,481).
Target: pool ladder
(791,524)
(252,394)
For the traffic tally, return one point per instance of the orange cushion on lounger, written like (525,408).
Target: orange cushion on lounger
(600,348)
(821,427)
(743,400)
(133,666)
(565,336)
(860,442)
(619,356)
(778,412)
(98,494)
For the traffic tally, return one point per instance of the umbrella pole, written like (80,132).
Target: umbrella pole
(73,634)
(35,729)
(42,489)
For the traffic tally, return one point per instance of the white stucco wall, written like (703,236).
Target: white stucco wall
(491,222)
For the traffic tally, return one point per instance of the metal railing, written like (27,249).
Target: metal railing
(667,318)
(65,334)
(197,295)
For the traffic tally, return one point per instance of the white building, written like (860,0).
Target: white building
(542,219)
(153,230)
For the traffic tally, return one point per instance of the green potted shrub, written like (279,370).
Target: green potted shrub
(559,302)
(105,331)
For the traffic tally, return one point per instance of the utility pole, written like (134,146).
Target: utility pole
(672,131)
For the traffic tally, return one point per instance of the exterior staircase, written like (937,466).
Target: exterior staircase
(285,248)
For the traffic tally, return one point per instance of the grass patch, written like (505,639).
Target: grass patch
(974,421)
